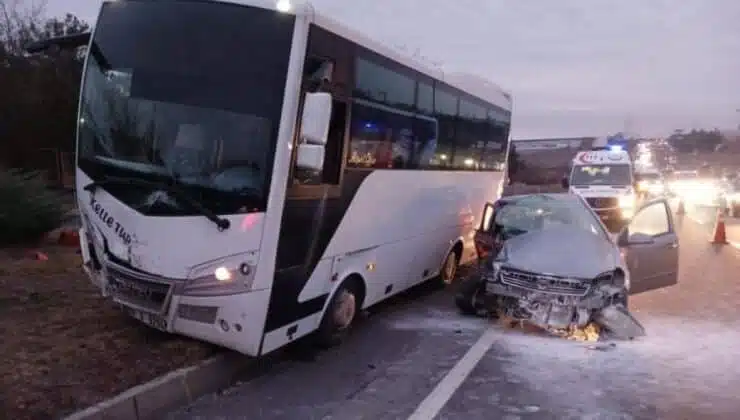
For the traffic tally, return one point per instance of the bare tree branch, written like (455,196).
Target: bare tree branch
(18,21)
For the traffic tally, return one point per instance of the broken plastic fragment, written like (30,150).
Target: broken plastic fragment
(619,322)
(602,347)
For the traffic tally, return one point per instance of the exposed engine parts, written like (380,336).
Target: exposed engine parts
(598,312)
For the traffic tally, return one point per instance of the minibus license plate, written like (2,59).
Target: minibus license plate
(152,320)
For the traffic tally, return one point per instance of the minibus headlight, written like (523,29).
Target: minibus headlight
(230,275)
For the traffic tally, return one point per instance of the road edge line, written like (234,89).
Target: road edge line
(155,398)
(735,245)
(436,400)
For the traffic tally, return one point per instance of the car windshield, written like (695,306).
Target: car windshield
(518,215)
(199,107)
(601,175)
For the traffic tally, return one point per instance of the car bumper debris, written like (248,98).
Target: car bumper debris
(591,332)
(569,308)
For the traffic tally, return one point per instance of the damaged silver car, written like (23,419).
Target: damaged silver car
(547,259)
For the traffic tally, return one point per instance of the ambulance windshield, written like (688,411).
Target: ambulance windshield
(604,174)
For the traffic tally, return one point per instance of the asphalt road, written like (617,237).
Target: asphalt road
(707,216)
(418,356)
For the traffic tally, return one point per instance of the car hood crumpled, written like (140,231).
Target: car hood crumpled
(562,251)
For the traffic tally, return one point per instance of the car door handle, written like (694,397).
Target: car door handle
(672,245)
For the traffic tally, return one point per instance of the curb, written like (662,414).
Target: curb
(154,399)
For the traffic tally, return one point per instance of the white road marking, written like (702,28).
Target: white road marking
(436,400)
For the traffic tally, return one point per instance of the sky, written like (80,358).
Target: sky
(574,67)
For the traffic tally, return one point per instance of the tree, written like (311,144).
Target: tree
(39,102)
(696,141)
(15,18)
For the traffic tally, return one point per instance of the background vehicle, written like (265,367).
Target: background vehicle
(696,189)
(683,182)
(527,273)
(650,183)
(266,173)
(729,199)
(605,179)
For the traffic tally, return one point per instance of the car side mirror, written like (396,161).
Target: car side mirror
(626,239)
(314,133)
(564,182)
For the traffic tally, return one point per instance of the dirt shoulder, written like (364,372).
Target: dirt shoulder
(65,348)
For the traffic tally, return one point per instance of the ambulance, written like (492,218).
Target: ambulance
(605,179)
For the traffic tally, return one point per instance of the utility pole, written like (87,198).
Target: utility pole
(626,125)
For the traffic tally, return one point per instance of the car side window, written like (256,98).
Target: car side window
(652,220)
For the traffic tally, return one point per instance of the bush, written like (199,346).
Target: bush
(28,209)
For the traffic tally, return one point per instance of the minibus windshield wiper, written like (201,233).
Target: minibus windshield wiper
(171,187)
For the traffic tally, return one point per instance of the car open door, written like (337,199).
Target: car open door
(484,243)
(650,245)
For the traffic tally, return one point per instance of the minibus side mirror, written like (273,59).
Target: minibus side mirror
(315,122)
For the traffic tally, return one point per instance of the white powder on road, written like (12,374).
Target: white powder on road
(680,367)
(437,321)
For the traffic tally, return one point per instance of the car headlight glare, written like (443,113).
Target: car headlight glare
(627,201)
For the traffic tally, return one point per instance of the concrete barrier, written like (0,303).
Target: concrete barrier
(154,399)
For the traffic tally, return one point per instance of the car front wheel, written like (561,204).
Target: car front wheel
(469,296)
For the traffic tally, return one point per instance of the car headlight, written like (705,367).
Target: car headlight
(627,205)
(227,276)
(627,201)
(656,187)
(643,186)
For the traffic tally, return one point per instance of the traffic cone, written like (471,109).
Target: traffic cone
(681,209)
(720,236)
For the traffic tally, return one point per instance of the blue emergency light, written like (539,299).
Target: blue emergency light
(616,148)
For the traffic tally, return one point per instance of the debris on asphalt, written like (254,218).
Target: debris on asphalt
(602,347)
(612,322)
(619,322)
(590,332)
